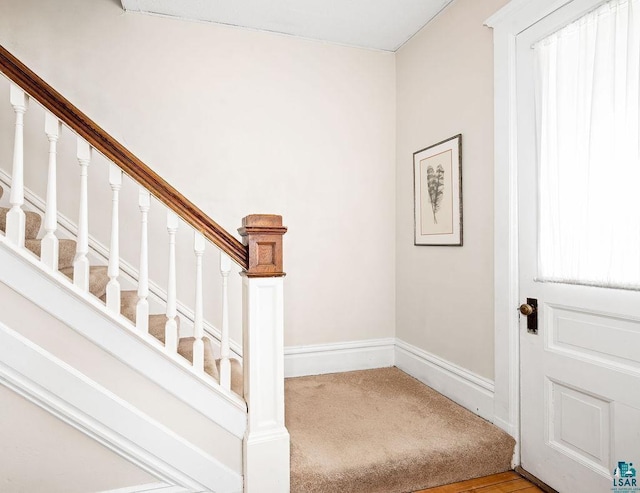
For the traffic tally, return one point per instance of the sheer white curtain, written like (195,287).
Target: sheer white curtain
(587,88)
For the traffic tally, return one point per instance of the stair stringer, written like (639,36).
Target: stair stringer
(82,312)
(129,275)
(59,389)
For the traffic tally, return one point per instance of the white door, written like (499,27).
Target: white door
(580,374)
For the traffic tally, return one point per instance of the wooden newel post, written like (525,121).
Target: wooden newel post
(263,233)
(266,442)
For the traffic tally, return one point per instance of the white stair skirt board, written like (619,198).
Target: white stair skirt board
(150,488)
(88,316)
(334,358)
(458,384)
(69,395)
(129,275)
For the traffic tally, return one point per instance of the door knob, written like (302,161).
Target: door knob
(530,310)
(527,309)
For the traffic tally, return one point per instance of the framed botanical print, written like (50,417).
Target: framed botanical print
(437,180)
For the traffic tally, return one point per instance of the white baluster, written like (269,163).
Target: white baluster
(113,287)
(142,308)
(198,324)
(171,328)
(15,217)
(49,252)
(81,261)
(225,362)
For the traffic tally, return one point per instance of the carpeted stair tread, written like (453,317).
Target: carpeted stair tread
(33,221)
(157,325)
(237,378)
(128,303)
(98,279)
(157,322)
(382,431)
(66,251)
(185,349)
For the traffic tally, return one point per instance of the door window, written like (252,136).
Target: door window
(587,87)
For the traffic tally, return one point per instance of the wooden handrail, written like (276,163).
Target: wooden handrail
(113,150)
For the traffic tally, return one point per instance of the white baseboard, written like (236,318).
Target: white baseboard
(510,429)
(149,488)
(59,389)
(458,384)
(333,358)
(504,425)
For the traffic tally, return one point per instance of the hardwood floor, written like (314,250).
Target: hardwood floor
(506,482)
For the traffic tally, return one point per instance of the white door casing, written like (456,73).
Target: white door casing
(580,407)
(512,19)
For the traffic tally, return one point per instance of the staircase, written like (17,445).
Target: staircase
(237,385)
(98,282)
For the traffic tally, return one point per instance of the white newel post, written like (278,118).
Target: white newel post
(81,261)
(266,442)
(16,221)
(142,307)
(113,287)
(49,253)
(171,328)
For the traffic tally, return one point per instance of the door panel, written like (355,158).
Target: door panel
(580,375)
(599,338)
(579,425)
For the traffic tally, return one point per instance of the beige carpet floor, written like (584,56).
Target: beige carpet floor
(382,431)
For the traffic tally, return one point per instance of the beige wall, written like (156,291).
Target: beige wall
(41,453)
(257,122)
(241,122)
(444,295)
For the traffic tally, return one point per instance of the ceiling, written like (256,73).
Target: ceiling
(374,24)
